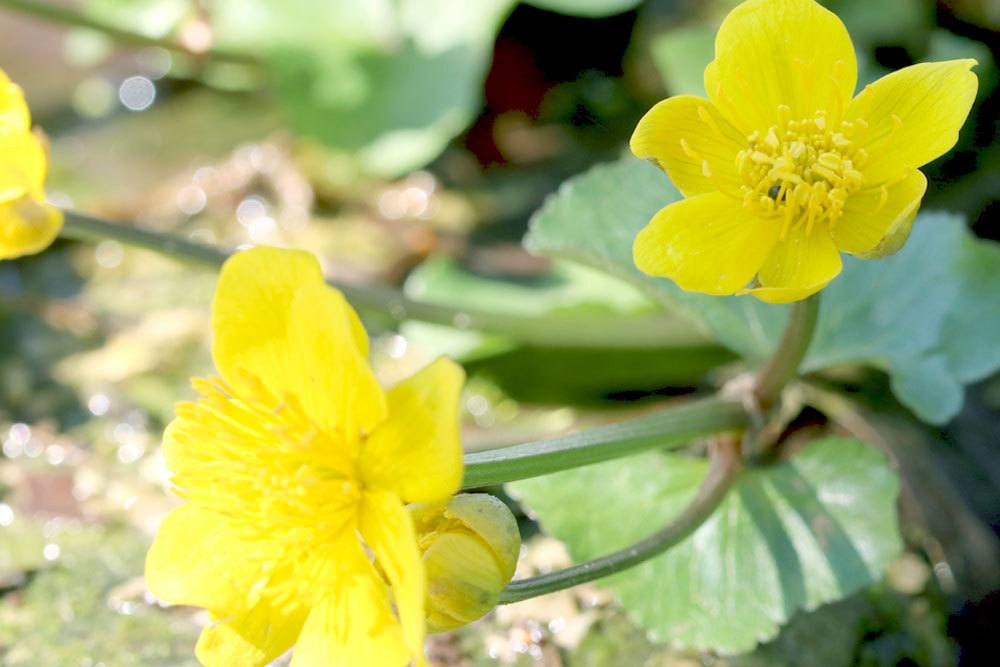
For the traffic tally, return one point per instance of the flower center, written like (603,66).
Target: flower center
(801,171)
(260,460)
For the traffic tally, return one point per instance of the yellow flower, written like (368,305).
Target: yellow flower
(781,169)
(470,548)
(27,223)
(296,467)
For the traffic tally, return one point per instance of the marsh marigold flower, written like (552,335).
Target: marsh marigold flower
(27,223)
(780,168)
(296,467)
(470,548)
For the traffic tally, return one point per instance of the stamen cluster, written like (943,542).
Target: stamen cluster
(269,460)
(802,171)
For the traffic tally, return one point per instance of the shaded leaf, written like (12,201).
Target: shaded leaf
(787,537)
(926,315)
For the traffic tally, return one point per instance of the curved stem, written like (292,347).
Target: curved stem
(642,331)
(74,18)
(784,364)
(722,472)
(668,428)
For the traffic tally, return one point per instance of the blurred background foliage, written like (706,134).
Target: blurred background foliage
(409,142)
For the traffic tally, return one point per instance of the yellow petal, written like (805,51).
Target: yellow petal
(876,221)
(774,52)
(707,243)
(14,116)
(798,267)
(22,166)
(276,319)
(334,381)
(692,142)
(417,452)
(913,116)
(388,530)
(352,625)
(252,638)
(27,226)
(198,560)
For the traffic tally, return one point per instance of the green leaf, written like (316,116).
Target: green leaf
(566,296)
(791,536)
(927,315)
(674,354)
(587,8)
(565,288)
(389,83)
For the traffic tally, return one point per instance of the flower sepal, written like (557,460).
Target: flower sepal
(470,548)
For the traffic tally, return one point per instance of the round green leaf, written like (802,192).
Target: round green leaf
(791,536)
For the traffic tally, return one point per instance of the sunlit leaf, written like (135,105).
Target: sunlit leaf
(560,374)
(565,287)
(388,83)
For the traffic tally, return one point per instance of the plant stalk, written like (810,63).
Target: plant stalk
(69,17)
(669,428)
(723,469)
(640,331)
(783,365)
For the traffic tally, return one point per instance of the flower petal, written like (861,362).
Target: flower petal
(876,221)
(22,167)
(14,115)
(352,625)
(774,52)
(387,528)
(27,226)
(913,116)
(252,638)
(707,243)
(275,319)
(191,561)
(417,452)
(797,267)
(692,142)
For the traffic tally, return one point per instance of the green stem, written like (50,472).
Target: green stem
(82,227)
(644,331)
(784,364)
(722,472)
(70,17)
(669,428)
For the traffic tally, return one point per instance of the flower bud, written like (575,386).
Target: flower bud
(470,548)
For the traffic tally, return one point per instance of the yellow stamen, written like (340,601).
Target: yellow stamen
(802,170)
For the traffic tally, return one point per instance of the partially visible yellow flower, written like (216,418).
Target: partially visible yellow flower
(781,169)
(470,549)
(296,467)
(27,223)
